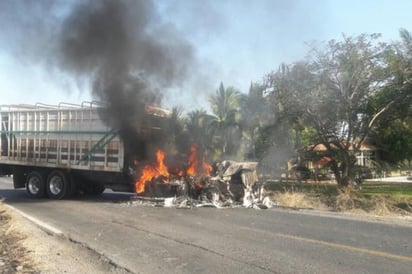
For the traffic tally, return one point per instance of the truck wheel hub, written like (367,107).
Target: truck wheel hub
(34,185)
(56,185)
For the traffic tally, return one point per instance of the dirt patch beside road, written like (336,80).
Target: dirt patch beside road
(25,248)
(13,256)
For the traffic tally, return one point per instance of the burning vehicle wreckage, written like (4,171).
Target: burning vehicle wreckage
(226,184)
(93,146)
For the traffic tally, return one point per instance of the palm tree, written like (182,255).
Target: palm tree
(255,113)
(406,37)
(175,129)
(225,107)
(198,126)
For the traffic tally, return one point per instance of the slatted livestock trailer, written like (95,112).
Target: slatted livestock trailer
(57,150)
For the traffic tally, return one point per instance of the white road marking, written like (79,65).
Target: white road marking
(36,221)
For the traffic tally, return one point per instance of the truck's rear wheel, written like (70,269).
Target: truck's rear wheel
(36,185)
(59,185)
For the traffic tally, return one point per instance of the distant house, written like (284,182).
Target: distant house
(365,157)
(317,161)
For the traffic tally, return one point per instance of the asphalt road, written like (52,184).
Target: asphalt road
(147,239)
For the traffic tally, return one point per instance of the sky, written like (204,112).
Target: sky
(234,41)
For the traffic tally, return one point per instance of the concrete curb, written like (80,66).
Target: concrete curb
(44,226)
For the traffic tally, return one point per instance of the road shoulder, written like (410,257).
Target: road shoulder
(30,249)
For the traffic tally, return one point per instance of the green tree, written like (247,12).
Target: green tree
(199,127)
(175,130)
(393,132)
(255,114)
(331,92)
(395,140)
(225,107)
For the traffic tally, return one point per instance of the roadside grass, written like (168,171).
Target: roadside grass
(303,195)
(375,199)
(393,189)
(321,188)
(395,196)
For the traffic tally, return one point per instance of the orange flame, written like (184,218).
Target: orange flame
(149,172)
(202,168)
(197,166)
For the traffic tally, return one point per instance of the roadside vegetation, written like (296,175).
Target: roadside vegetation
(395,190)
(379,199)
(346,93)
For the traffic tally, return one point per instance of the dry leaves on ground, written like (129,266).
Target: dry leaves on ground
(13,256)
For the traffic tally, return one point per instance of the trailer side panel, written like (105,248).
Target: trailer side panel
(70,138)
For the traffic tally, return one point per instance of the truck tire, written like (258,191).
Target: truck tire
(36,185)
(59,185)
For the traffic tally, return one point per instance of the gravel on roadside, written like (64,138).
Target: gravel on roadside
(25,248)
(13,256)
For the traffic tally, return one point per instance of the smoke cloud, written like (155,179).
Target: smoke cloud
(121,47)
(128,56)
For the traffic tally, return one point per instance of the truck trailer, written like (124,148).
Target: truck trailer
(55,151)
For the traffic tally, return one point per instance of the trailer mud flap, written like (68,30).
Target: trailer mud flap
(19,177)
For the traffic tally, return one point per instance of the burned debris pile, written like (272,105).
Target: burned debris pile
(229,184)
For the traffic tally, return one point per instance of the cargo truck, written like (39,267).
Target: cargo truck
(56,151)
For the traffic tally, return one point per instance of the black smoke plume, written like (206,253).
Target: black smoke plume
(120,46)
(129,56)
